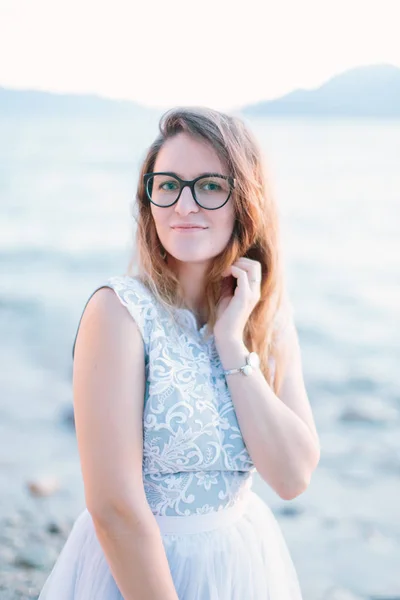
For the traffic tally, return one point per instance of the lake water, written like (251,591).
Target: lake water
(66,190)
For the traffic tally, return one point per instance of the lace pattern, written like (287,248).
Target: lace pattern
(194,456)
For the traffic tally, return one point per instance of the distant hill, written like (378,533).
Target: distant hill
(369,91)
(39,103)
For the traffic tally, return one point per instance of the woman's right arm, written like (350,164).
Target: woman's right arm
(108,390)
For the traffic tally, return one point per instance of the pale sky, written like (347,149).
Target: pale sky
(218,53)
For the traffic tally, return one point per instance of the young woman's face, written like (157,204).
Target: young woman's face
(189,158)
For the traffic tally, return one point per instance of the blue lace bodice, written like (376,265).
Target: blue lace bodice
(194,456)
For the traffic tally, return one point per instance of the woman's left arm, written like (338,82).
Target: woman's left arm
(279,432)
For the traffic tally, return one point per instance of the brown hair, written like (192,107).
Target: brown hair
(255,234)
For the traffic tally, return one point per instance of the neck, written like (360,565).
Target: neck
(192,278)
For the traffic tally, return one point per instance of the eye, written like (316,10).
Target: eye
(170,185)
(214,186)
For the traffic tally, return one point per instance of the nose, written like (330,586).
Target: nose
(186,203)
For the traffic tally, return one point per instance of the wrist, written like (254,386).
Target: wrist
(241,361)
(230,342)
(232,353)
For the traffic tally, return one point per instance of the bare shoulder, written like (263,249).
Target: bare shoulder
(108,394)
(107,327)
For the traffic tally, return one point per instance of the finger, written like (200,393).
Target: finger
(248,260)
(253,280)
(243,285)
(252,267)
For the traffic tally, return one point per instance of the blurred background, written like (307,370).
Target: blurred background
(82,88)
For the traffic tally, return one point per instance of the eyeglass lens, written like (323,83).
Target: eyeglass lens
(210,191)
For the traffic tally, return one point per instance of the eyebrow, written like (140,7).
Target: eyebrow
(207,173)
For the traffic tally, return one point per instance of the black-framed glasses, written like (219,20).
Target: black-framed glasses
(210,190)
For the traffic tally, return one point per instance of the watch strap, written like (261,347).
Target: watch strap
(252,362)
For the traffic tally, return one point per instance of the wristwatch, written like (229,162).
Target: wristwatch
(252,362)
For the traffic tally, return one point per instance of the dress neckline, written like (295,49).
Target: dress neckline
(185,311)
(192,319)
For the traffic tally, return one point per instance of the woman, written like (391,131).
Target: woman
(187,379)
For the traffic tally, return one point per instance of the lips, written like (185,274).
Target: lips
(188,227)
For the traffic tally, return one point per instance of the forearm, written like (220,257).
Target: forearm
(280,444)
(136,556)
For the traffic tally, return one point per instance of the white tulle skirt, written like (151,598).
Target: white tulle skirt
(238,553)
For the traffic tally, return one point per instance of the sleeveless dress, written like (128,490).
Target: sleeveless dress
(221,540)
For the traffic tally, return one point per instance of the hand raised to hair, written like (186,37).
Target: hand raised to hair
(234,308)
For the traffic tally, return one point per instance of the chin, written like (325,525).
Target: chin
(193,259)
(190,257)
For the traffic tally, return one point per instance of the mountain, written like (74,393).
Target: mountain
(368,91)
(39,103)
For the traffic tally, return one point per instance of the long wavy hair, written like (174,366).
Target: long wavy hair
(255,234)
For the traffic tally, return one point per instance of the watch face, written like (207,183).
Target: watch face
(254,360)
